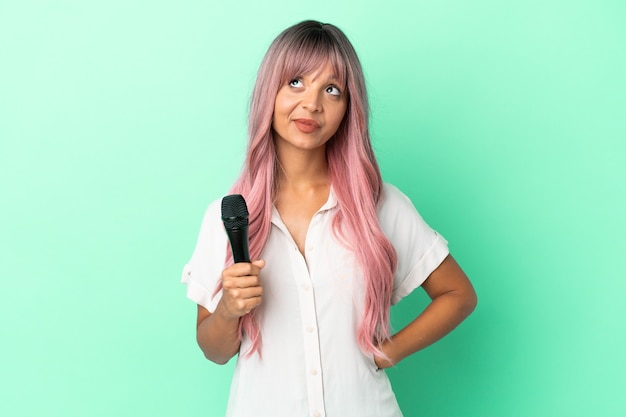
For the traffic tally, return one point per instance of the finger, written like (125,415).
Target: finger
(241,282)
(243,268)
(259,263)
(242,307)
(245,293)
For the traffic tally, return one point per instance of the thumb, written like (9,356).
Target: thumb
(259,262)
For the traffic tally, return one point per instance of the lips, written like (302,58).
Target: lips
(306,125)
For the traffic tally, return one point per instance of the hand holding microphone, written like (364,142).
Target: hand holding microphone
(241,287)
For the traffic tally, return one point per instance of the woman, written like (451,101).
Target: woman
(334,248)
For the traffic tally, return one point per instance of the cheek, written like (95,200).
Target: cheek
(277,115)
(282,105)
(280,117)
(276,109)
(339,115)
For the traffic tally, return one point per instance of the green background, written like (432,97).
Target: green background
(120,120)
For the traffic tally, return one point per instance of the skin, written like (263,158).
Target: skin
(303,187)
(303,181)
(452,299)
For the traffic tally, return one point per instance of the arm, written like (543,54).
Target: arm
(217,332)
(453,299)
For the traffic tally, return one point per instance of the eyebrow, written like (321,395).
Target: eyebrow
(332,77)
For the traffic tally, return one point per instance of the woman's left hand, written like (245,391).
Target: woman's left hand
(387,349)
(453,299)
(382,363)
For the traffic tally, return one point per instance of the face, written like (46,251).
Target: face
(308,110)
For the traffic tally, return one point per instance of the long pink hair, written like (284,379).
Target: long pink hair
(300,50)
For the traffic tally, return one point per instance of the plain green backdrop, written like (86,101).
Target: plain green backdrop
(120,120)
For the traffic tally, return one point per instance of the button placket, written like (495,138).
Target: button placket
(310,335)
(308,315)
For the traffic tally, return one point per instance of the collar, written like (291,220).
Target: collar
(330,203)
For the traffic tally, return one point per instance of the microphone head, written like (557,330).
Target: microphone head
(234,211)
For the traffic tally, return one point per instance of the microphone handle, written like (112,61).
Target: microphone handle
(238,238)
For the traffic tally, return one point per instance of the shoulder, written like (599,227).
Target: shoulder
(212,228)
(202,273)
(419,248)
(214,210)
(393,202)
(398,217)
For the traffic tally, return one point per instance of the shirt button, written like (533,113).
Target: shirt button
(317,414)
(309,329)
(305,287)
(311,248)
(313,371)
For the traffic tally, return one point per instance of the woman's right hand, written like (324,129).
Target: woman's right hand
(217,333)
(241,289)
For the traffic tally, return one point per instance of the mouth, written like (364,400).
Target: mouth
(306,125)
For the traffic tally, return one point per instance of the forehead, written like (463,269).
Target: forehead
(315,63)
(324,73)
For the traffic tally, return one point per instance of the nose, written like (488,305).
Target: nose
(312,101)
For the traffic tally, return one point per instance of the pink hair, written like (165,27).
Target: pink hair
(299,50)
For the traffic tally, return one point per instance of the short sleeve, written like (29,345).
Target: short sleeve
(203,272)
(419,248)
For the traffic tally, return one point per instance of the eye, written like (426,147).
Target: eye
(295,83)
(333,90)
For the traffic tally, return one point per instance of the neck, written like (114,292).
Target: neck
(302,168)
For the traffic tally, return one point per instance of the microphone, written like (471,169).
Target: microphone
(235,218)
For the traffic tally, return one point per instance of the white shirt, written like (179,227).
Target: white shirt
(311,364)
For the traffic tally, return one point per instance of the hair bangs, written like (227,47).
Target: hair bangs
(310,53)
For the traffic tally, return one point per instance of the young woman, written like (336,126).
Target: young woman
(334,248)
